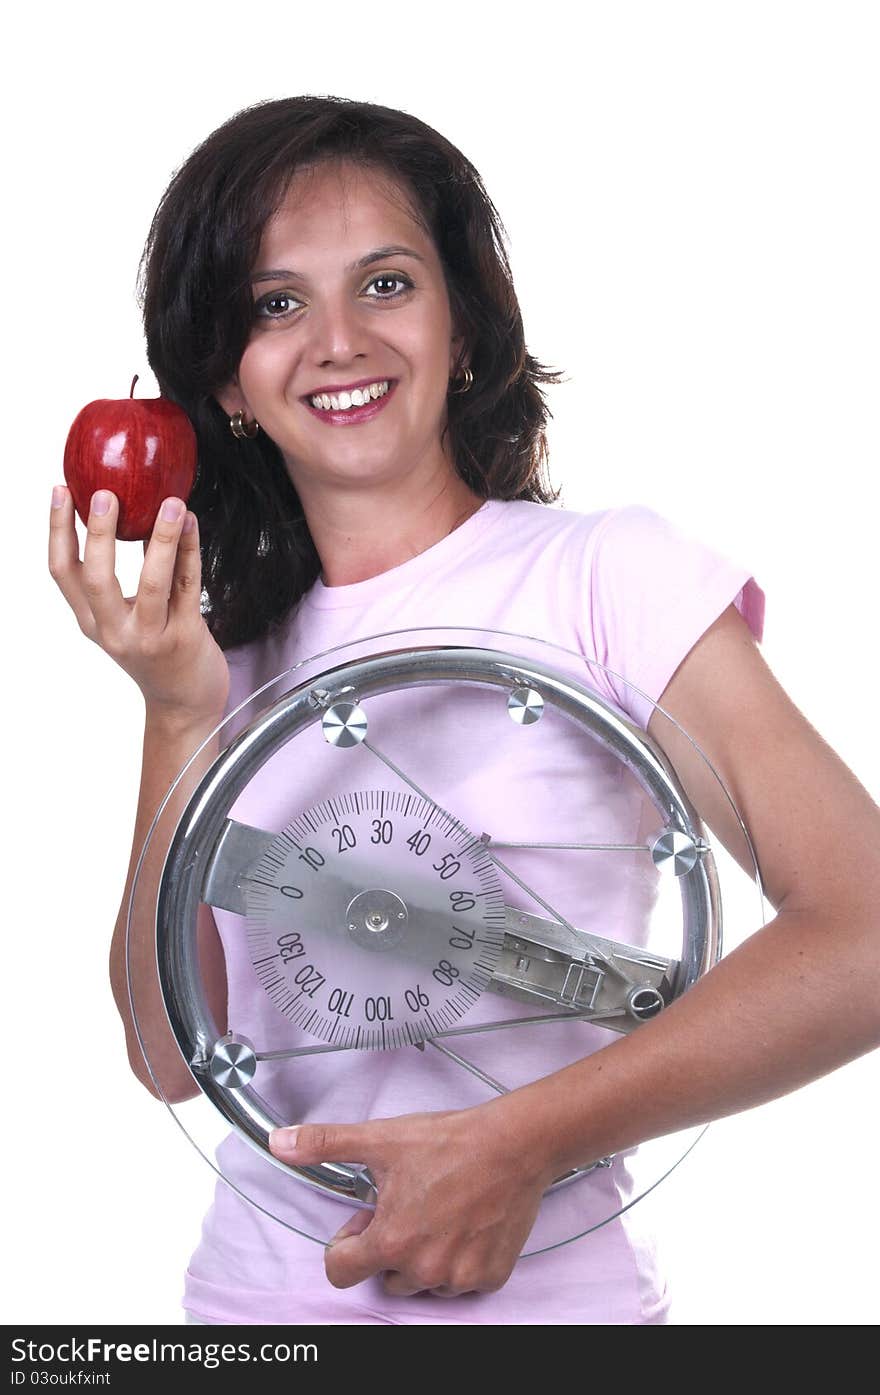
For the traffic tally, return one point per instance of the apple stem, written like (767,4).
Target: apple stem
(133,381)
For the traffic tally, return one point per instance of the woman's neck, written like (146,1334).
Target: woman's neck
(358,536)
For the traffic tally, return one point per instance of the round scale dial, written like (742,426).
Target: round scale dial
(375,919)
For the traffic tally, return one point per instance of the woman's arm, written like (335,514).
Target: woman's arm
(168,745)
(161,640)
(799,998)
(796,1000)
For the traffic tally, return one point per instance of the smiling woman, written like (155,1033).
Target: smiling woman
(344,333)
(394,333)
(248,210)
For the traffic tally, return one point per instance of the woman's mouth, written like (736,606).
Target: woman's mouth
(350,408)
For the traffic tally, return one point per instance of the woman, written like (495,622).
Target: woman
(310,251)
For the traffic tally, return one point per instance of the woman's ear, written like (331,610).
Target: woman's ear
(230,398)
(458,355)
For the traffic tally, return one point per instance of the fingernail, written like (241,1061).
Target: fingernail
(101,502)
(171,510)
(58,496)
(284,1140)
(189,523)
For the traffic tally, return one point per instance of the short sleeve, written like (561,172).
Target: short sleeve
(654,591)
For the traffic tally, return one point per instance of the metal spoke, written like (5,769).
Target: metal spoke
(559,918)
(497,1026)
(530,1021)
(469,1065)
(585,847)
(386,760)
(300,1051)
(592,953)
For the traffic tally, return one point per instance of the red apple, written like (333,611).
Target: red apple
(143,449)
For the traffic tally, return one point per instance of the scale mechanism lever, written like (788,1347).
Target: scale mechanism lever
(617,984)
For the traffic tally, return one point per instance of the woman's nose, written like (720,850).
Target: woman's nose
(337,330)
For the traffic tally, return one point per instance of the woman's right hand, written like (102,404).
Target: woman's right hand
(158,636)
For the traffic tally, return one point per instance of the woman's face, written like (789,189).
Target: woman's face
(348,289)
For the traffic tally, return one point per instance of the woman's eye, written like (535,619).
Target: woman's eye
(264,308)
(386,285)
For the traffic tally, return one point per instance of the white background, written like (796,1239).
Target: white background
(691,196)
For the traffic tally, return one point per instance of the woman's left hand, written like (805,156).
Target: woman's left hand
(457,1198)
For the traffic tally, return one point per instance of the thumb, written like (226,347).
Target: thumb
(316,1143)
(355,1225)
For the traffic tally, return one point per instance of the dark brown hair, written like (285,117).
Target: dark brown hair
(258,557)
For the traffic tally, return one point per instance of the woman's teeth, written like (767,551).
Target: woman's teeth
(342,401)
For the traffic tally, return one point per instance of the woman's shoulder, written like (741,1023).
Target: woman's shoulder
(622,526)
(544,521)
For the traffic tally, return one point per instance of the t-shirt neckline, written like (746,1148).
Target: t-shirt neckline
(454,545)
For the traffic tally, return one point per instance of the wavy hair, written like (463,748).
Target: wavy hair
(258,556)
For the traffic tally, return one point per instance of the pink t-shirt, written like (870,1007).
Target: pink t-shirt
(624,587)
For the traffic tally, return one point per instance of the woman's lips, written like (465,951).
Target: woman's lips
(354,415)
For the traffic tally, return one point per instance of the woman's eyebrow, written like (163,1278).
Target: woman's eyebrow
(378,255)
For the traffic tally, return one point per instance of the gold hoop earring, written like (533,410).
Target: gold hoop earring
(467,378)
(243,430)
